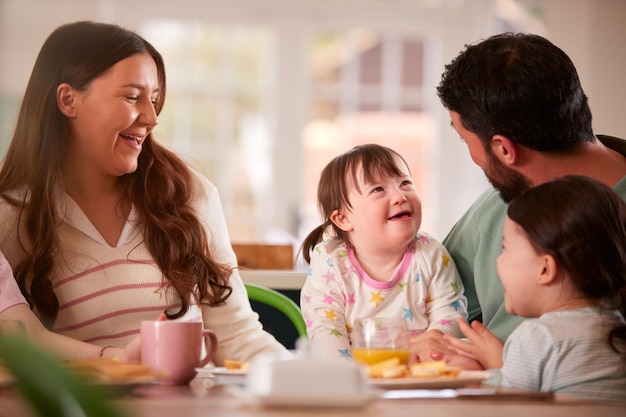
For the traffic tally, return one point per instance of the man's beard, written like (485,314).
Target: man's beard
(508,182)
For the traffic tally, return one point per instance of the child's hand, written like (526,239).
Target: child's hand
(463,361)
(431,346)
(482,346)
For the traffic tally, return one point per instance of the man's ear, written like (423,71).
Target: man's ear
(341,220)
(66,100)
(504,149)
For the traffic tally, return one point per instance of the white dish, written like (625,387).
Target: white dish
(220,371)
(214,371)
(223,376)
(464,379)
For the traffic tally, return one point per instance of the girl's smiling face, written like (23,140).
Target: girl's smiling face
(385,215)
(519,267)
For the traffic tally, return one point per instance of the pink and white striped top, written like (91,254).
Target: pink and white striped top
(104,292)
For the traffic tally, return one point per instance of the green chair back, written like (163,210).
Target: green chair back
(280,302)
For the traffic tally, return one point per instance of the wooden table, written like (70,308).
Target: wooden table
(199,399)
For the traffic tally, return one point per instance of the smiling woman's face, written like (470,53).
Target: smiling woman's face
(112,118)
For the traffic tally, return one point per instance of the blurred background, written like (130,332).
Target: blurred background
(263,93)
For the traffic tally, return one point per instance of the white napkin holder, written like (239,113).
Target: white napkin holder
(306,376)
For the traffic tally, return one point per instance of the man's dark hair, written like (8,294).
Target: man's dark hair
(520,86)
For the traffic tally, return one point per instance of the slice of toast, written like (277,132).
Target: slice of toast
(105,370)
(234,365)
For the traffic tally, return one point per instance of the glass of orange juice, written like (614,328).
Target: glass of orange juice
(375,339)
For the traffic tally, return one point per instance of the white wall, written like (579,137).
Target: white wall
(593,34)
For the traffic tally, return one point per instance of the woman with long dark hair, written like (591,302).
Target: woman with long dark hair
(102,225)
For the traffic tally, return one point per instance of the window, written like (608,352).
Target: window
(364,87)
(367,87)
(218,110)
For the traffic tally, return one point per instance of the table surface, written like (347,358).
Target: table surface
(200,398)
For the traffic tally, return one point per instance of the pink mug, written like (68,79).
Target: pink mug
(174,348)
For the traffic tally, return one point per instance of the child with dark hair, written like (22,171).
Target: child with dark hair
(369,259)
(563,263)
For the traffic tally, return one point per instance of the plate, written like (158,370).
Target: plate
(220,371)
(464,379)
(496,393)
(222,375)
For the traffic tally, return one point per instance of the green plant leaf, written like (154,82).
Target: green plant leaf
(49,388)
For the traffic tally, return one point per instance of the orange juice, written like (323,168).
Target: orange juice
(372,356)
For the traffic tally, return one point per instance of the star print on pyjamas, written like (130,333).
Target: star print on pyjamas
(329,277)
(344,353)
(335,332)
(445,259)
(349,299)
(455,305)
(377,298)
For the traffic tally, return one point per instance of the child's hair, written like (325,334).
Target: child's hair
(582,224)
(336,179)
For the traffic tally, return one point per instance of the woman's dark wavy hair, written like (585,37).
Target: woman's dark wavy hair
(339,176)
(520,86)
(582,224)
(160,188)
